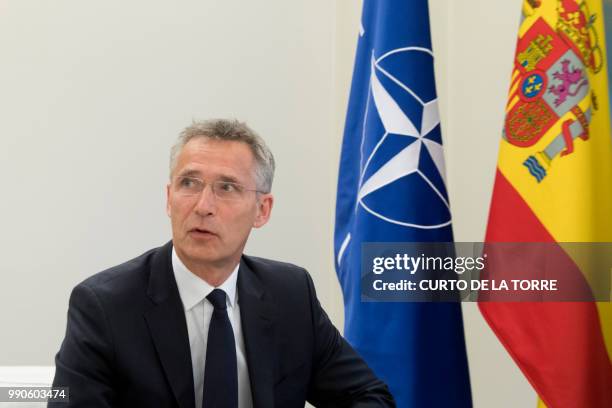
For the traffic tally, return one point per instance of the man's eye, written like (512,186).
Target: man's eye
(188,182)
(228,187)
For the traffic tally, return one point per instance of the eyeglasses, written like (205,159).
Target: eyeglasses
(188,186)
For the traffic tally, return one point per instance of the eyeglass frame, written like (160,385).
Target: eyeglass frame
(212,185)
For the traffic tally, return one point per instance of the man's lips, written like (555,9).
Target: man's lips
(201,232)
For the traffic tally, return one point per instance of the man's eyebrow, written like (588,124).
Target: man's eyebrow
(190,173)
(197,173)
(230,179)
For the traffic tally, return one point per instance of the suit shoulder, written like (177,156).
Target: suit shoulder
(275,269)
(279,276)
(122,276)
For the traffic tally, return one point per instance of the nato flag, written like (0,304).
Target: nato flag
(391,188)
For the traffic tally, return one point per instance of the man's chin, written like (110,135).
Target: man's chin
(200,254)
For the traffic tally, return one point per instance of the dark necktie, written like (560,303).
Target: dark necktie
(220,373)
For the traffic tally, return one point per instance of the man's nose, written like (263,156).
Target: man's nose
(207,202)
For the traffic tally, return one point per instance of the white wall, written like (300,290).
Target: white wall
(94,93)
(480,50)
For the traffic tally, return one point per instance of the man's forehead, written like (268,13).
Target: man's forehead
(226,158)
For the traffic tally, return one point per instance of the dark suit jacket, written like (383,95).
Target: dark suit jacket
(127,345)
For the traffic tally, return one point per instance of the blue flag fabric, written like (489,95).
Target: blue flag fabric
(391,188)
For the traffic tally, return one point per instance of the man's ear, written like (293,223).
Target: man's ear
(168,207)
(264,209)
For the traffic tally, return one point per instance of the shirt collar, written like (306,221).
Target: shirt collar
(192,289)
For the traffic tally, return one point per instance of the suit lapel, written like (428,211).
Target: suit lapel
(257,325)
(168,328)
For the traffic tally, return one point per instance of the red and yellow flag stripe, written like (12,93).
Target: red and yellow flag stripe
(554,184)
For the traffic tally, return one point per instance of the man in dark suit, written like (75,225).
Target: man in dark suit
(195,323)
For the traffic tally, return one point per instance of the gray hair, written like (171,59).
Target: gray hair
(230,130)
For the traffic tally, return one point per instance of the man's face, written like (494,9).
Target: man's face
(208,232)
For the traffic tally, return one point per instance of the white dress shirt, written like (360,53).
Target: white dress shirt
(198,311)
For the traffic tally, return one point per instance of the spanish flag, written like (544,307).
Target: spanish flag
(554,184)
